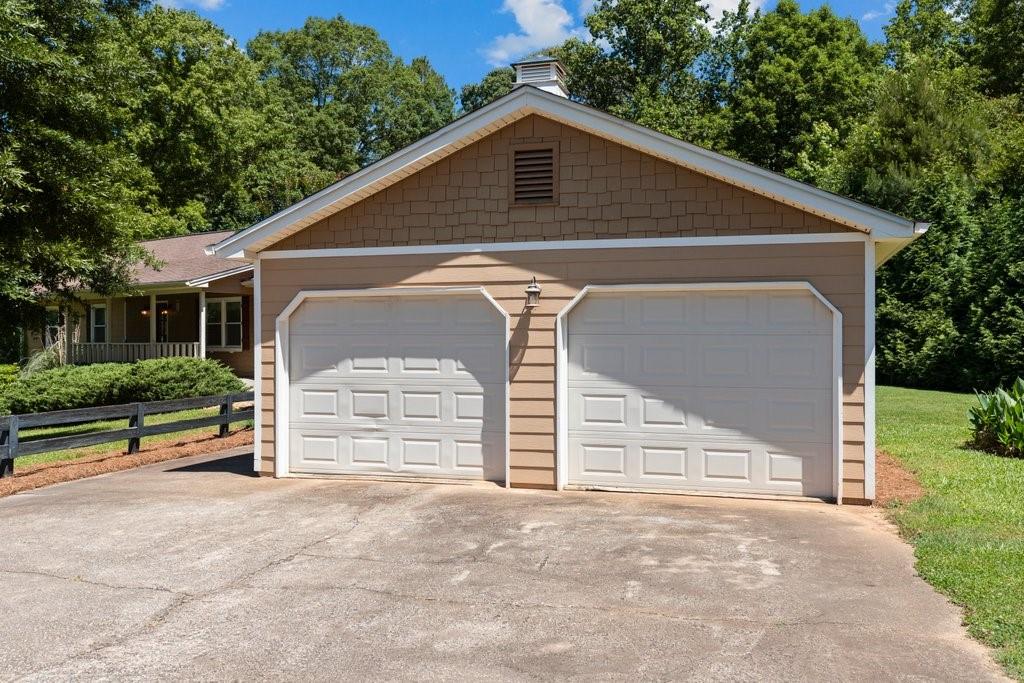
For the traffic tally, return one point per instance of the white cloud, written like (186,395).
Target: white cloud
(542,23)
(208,5)
(717,7)
(879,13)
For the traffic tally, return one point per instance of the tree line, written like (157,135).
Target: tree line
(121,120)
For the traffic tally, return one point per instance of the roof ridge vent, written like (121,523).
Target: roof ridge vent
(542,71)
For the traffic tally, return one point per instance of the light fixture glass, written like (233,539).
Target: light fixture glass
(532,294)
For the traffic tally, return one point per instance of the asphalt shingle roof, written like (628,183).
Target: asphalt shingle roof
(183,259)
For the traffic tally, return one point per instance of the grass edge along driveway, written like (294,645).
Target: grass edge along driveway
(968,528)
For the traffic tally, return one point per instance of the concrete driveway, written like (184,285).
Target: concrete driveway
(192,569)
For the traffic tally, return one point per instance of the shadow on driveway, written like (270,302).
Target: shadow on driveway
(232,464)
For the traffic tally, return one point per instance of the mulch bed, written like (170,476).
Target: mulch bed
(47,473)
(893,483)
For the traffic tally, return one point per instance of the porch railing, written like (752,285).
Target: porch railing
(129,352)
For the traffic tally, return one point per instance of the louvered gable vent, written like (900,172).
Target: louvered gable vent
(534,176)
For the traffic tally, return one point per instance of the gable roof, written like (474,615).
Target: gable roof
(526,100)
(185,261)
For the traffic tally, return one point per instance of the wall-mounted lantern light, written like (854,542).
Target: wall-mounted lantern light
(532,294)
(145,312)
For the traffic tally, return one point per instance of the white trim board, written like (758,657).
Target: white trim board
(213,277)
(562,363)
(527,100)
(557,245)
(281,390)
(257,369)
(869,370)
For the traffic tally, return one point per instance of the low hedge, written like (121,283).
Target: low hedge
(85,386)
(163,379)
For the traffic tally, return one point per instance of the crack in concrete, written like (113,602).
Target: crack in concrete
(182,599)
(90,582)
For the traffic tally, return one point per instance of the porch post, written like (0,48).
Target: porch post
(202,323)
(69,333)
(152,319)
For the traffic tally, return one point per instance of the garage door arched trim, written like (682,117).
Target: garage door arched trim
(281,337)
(562,361)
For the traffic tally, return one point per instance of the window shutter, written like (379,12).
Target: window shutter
(534,176)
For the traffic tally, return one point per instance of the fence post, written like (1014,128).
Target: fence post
(9,438)
(226,408)
(136,421)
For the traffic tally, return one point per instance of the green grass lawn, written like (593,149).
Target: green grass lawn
(74,453)
(968,529)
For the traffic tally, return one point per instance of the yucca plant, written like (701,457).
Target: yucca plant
(998,420)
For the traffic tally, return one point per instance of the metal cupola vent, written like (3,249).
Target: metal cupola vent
(542,71)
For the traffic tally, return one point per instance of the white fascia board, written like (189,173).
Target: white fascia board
(207,279)
(527,100)
(428,149)
(733,171)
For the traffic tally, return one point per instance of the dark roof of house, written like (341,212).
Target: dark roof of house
(183,259)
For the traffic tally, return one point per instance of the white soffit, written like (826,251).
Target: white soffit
(527,100)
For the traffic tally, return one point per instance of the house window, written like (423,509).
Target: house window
(224,324)
(51,333)
(533,175)
(98,323)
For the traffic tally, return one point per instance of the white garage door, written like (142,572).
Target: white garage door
(405,385)
(719,391)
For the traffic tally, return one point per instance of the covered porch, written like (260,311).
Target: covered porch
(191,323)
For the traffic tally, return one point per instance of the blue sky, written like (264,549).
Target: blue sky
(462,38)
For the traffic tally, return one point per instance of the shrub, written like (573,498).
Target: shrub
(169,378)
(86,386)
(998,420)
(8,373)
(71,386)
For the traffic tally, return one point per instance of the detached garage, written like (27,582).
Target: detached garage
(542,295)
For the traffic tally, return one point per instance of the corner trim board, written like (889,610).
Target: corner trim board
(257,363)
(869,370)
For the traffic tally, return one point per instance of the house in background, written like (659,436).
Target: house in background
(194,305)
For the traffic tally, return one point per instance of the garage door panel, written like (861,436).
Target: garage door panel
(727,391)
(440,453)
(398,386)
(791,469)
(353,356)
(770,415)
(638,313)
(469,406)
(701,360)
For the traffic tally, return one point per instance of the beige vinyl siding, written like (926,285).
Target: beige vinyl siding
(604,190)
(835,269)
